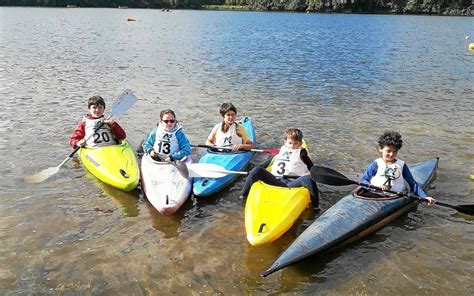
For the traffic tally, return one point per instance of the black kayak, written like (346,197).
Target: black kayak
(352,218)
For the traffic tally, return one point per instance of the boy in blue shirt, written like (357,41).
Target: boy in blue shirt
(391,173)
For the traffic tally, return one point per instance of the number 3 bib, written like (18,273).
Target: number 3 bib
(288,162)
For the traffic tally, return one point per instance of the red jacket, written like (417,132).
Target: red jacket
(80,131)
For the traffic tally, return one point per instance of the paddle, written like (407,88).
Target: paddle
(214,171)
(271,151)
(210,170)
(329,176)
(120,105)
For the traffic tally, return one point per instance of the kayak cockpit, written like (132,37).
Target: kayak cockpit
(375,195)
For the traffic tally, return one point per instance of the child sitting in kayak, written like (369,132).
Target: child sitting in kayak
(292,160)
(167,141)
(391,173)
(110,133)
(229,133)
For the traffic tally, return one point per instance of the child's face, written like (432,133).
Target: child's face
(229,117)
(292,144)
(389,153)
(96,110)
(168,121)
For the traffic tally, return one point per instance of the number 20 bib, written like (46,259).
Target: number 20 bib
(102,137)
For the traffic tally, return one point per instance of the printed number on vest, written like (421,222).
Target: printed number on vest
(281,168)
(164,147)
(101,137)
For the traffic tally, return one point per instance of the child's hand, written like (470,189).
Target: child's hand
(429,200)
(81,143)
(236,147)
(109,121)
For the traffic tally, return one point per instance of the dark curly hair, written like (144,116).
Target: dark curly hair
(390,138)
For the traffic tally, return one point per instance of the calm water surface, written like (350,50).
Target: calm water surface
(342,79)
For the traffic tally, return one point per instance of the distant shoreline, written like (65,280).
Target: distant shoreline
(285,7)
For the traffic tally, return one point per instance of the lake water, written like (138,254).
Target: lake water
(342,79)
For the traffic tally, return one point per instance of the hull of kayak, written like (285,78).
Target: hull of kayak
(115,165)
(229,160)
(163,185)
(350,219)
(271,210)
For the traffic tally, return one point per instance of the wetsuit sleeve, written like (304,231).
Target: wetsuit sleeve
(415,187)
(369,173)
(118,131)
(184,147)
(305,158)
(242,132)
(149,142)
(78,134)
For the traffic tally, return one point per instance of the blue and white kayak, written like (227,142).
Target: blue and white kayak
(350,219)
(231,161)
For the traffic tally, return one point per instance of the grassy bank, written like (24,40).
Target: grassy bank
(224,7)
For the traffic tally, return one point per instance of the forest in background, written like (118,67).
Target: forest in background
(429,7)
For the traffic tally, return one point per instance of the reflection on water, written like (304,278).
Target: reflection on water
(342,79)
(127,202)
(168,224)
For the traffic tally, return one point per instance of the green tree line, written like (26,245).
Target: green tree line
(435,7)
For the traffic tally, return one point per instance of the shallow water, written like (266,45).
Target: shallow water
(342,79)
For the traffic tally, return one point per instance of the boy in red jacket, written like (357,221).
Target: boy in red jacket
(110,133)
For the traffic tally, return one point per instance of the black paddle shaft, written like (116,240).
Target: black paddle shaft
(329,176)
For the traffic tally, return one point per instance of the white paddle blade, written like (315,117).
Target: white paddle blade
(123,102)
(41,176)
(210,170)
(205,174)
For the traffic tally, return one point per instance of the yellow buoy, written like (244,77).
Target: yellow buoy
(471,46)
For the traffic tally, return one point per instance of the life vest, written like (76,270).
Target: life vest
(228,138)
(166,143)
(102,137)
(391,175)
(288,162)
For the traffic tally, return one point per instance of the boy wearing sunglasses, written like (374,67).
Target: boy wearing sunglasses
(167,141)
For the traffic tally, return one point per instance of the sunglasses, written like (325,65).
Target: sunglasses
(169,121)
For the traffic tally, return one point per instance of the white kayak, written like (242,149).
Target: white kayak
(163,185)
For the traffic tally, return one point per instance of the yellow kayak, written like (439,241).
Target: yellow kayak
(271,210)
(115,165)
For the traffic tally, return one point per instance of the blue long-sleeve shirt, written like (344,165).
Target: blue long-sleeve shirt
(184,147)
(414,187)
